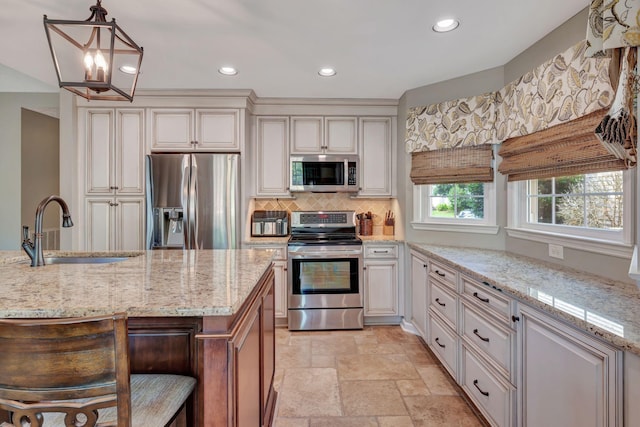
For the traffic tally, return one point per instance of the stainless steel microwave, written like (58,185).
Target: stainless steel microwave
(324,173)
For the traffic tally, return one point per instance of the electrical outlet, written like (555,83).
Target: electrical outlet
(556,251)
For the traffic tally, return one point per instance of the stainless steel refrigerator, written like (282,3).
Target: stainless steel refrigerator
(193,201)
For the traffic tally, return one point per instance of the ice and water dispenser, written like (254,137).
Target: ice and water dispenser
(169,228)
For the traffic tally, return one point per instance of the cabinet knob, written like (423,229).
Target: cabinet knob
(515,318)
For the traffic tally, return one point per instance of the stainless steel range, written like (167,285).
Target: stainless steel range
(325,271)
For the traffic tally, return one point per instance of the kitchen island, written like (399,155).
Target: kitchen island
(204,313)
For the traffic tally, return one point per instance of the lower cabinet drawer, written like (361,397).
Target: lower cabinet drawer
(444,343)
(496,341)
(443,302)
(487,389)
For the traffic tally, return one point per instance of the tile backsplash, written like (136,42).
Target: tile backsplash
(331,202)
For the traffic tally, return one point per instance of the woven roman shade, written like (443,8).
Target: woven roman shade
(570,148)
(453,165)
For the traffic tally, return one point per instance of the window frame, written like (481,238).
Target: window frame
(609,242)
(422,220)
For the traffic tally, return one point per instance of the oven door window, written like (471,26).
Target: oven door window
(325,276)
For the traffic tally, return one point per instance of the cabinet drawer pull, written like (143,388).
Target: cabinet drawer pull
(475,331)
(475,294)
(381,252)
(438,342)
(440,303)
(484,393)
(440,274)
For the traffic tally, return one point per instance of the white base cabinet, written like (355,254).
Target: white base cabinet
(568,378)
(381,280)
(281,278)
(419,293)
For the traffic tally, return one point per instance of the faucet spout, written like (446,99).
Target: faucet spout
(34,250)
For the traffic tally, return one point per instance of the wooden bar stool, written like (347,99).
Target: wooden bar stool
(75,372)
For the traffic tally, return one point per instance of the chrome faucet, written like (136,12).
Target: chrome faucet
(34,250)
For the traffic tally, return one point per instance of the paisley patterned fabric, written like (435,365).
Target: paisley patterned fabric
(612,24)
(564,88)
(460,123)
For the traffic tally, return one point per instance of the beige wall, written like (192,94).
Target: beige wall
(11,105)
(555,42)
(40,169)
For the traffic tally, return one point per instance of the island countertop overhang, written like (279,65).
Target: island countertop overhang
(157,283)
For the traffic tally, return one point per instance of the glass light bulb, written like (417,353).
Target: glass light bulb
(100,61)
(88,61)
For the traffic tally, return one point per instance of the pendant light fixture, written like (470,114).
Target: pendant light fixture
(94,58)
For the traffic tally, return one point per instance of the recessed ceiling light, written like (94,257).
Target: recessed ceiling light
(327,72)
(445,25)
(128,69)
(228,71)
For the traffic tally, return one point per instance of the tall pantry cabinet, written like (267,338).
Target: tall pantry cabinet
(111,157)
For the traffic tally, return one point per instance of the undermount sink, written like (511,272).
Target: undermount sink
(83,260)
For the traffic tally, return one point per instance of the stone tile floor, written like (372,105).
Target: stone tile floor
(381,376)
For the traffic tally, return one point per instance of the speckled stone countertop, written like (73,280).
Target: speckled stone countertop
(602,307)
(149,283)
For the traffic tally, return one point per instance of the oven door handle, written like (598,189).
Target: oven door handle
(325,254)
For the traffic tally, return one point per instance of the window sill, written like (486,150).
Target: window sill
(619,250)
(456,228)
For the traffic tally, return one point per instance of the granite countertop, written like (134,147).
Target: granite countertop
(149,283)
(602,307)
(380,238)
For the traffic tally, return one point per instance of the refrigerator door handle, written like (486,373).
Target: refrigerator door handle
(193,204)
(184,185)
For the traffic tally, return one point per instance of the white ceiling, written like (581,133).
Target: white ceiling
(380,48)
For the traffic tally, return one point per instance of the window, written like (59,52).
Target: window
(589,201)
(455,207)
(592,207)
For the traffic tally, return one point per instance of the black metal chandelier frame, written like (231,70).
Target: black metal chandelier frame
(96,85)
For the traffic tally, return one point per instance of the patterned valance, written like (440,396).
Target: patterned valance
(460,123)
(566,87)
(612,24)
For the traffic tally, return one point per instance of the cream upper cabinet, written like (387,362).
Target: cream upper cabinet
(114,151)
(376,157)
(324,135)
(569,378)
(272,140)
(188,129)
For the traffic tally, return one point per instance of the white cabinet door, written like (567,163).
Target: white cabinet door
(419,293)
(99,151)
(129,152)
(114,151)
(376,157)
(187,129)
(280,271)
(340,135)
(217,129)
(129,224)
(306,135)
(273,156)
(568,377)
(99,216)
(171,129)
(114,224)
(381,287)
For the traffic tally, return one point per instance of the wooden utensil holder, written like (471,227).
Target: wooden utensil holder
(366,227)
(388,230)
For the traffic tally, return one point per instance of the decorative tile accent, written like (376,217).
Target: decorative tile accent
(330,202)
